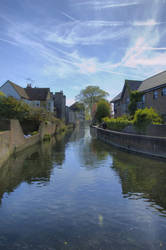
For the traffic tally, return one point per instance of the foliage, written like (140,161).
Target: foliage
(91,95)
(135,97)
(47,137)
(34,132)
(78,106)
(103,110)
(11,108)
(145,117)
(2,94)
(37,114)
(118,123)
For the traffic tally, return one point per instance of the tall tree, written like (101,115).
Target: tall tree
(91,95)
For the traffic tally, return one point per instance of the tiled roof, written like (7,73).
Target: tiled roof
(38,94)
(153,82)
(117,97)
(134,85)
(19,90)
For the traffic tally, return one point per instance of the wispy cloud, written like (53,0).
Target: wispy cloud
(108,4)
(68,16)
(150,22)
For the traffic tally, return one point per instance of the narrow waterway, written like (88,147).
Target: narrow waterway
(79,193)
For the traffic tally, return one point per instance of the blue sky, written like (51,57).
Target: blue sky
(70,44)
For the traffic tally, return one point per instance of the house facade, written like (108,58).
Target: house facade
(40,97)
(35,97)
(11,89)
(154,95)
(122,100)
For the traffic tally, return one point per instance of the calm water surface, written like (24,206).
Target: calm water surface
(79,193)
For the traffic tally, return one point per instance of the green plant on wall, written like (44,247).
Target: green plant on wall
(144,117)
(135,97)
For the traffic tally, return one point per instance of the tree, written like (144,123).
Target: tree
(103,110)
(91,95)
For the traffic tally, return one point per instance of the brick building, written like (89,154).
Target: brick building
(154,95)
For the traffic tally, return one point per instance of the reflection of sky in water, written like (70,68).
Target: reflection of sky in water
(82,194)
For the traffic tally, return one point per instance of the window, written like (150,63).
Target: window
(127,100)
(155,94)
(163,91)
(143,98)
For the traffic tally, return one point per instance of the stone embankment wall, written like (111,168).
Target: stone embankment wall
(149,145)
(152,130)
(13,140)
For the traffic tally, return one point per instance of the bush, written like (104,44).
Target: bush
(103,110)
(34,133)
(47,137)
(118,123)
(145,117)
(10,108)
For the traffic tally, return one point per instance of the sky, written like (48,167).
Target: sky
(70,44)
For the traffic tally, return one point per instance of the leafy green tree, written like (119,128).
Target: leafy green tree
(91,95)
(103,110)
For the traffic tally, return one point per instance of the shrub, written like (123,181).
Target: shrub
(118,123)
(145,117)
(11,108)
(34,133)
(47,137)
(103,110)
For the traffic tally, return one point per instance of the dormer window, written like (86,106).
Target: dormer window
(155,94)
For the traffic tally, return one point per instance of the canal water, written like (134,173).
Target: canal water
(79,193)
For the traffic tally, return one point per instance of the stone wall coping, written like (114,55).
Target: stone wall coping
(130,134)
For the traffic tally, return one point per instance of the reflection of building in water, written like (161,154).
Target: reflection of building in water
(79,132)
(59,149)
(141,177)
(33,164)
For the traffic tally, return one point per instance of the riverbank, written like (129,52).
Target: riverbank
(13,140)
(148,145)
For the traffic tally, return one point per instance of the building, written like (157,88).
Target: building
(122,100)
(40,97)
(60,105)
(154,95)
(11,89)
(75,113)
(35,97)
